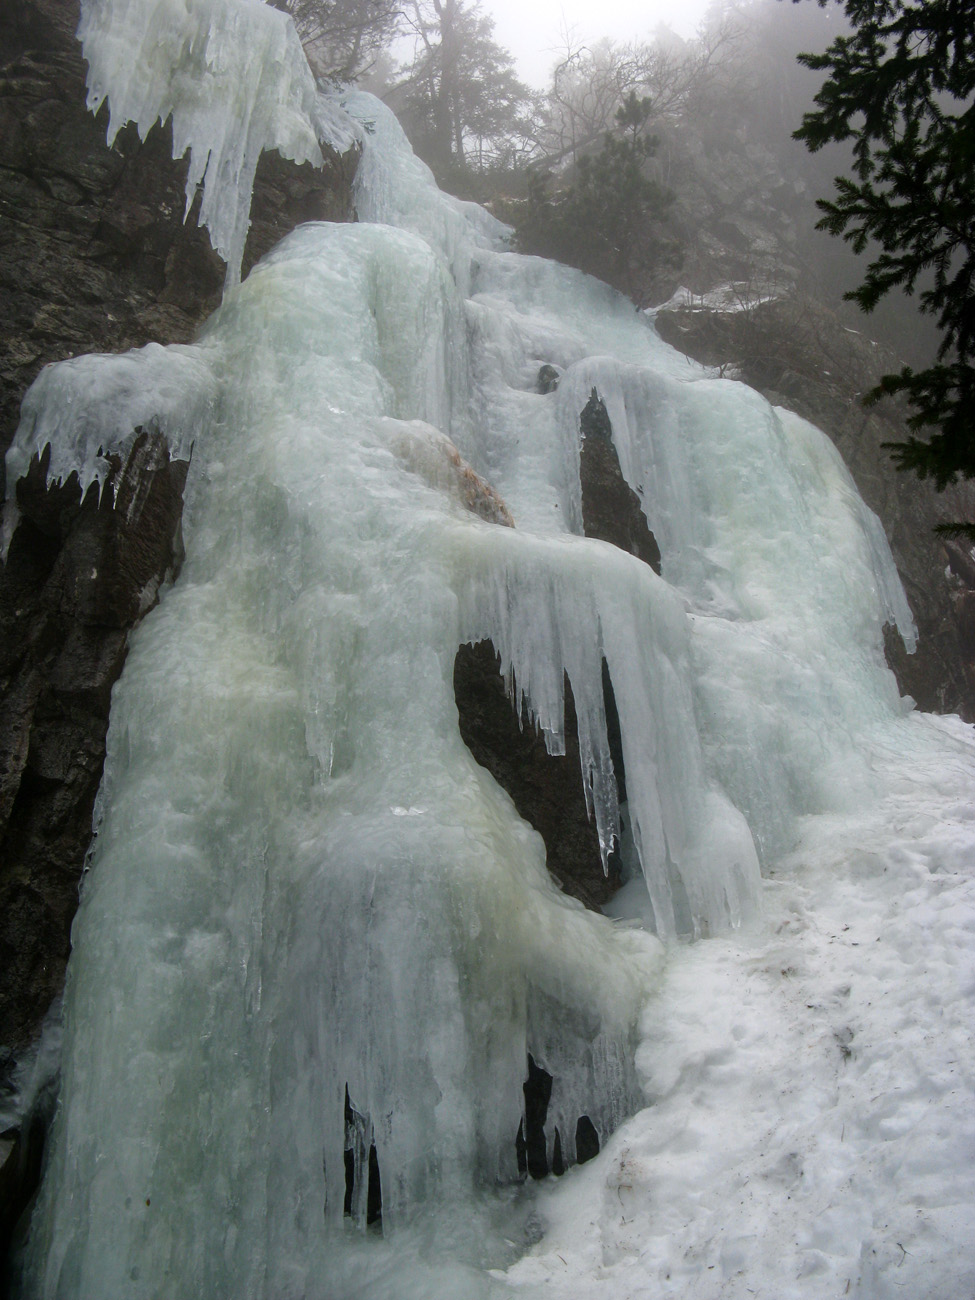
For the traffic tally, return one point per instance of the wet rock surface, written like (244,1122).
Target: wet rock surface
(547,790)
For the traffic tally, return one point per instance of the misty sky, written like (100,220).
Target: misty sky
(530,28)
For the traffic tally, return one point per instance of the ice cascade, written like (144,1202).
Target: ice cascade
(234,79)
(313,927)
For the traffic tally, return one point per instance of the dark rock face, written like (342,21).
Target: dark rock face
(546,790)
(79,575)
(611,510)
(800,356)
(94,255)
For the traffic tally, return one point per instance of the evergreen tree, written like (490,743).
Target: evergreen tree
(900,87)
(607,220)
(463,96)
(342,37)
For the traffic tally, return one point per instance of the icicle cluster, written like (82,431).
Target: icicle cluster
(232,76)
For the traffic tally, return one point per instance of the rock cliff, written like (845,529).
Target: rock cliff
(95,257)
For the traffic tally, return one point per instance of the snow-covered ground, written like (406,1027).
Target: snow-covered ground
(811,1127)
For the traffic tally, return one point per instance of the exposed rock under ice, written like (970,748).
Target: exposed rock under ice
(234,79)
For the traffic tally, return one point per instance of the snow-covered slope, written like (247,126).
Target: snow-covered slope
(811,1129)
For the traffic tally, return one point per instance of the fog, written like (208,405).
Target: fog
(535,33)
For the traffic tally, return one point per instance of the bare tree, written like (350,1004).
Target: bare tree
(590,83)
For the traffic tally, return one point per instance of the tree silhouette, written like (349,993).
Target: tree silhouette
(607,219)
(463,96)
(341,37)
(900,87)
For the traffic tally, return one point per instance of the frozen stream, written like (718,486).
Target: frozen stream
(304,889)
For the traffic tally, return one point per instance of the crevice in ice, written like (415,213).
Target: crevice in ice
(532,1143)
(531,1146)
(363,1186)
(547,379)
(547,788)
(611,510)
(587,1140)
(558,1161)
(614,736)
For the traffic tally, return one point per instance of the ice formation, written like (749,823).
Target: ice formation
(234,79)
(304,893)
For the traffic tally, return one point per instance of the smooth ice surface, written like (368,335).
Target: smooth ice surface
(302,883)
(234,79)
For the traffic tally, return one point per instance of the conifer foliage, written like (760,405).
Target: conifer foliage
(607,220)
(464,100)
(900,86)
(342,37)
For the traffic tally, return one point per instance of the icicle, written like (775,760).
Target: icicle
(232,76)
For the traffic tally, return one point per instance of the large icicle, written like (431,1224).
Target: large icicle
(562,606)
(234,79)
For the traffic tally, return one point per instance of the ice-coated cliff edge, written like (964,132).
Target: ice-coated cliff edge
(234,79)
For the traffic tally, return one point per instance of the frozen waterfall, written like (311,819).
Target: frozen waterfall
(306,900)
